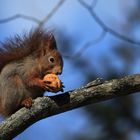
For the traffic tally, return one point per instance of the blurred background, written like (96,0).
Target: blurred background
(97,38)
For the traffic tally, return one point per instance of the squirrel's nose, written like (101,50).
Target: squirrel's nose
(58,73)
(57,70)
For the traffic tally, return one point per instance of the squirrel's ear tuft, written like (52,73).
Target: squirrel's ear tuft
(51,42)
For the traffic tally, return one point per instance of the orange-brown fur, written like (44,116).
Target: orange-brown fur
(19,47)
(23,63)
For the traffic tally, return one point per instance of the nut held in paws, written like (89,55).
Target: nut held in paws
(53,82)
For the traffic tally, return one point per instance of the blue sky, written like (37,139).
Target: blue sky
(77,22)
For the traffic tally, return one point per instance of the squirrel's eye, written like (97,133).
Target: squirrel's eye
(51,59)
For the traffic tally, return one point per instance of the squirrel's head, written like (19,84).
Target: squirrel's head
(49,59)
(38,44)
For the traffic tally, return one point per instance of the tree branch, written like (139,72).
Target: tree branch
(43,107)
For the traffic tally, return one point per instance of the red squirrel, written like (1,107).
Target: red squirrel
(24,61)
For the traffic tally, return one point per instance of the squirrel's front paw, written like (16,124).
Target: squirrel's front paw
(27,102)
(44,85)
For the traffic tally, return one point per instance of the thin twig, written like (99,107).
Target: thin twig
(105,27)
(52,12)
(83,49)
(33,19)
(89,44)
(17,16)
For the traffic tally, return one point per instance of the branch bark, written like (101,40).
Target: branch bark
(43,107)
